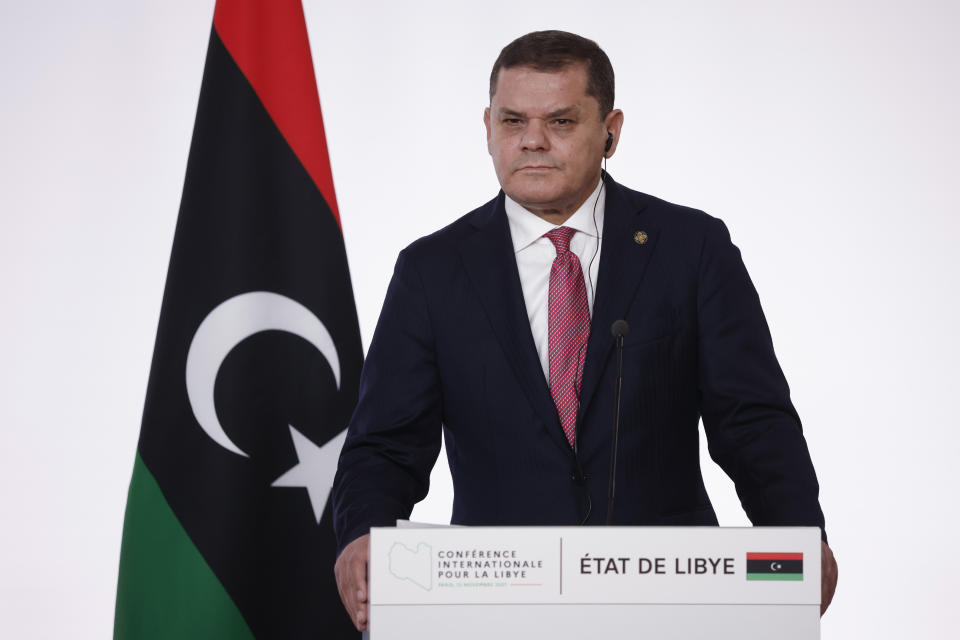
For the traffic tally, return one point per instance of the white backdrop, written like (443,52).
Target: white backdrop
(825,133)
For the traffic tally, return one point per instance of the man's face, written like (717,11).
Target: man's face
(547,138)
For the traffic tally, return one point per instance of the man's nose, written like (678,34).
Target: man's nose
(535,136)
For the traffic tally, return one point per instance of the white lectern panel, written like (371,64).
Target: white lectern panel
(573,582)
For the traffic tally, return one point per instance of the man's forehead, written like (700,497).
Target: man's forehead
(520,89)
(573,73)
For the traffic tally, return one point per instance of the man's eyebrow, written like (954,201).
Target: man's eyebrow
(557,113)
(564,111)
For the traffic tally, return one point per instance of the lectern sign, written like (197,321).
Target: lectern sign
(570,581)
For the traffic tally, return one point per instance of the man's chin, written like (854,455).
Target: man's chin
(536,192)
(533,200)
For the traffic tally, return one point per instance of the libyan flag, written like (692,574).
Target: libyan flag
(774,566)
(228,530)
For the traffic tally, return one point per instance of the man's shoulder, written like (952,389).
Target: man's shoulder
(666,213)
(444,242)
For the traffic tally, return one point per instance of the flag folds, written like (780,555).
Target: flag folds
(256,364)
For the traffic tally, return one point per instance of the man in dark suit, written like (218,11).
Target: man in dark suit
(493,332)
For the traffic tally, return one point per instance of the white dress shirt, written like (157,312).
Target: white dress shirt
(535,255)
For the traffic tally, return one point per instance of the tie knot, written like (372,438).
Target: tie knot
(560,237)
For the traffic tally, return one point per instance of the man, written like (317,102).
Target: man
(497,328)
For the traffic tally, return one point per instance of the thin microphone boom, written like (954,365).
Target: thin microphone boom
(619,329)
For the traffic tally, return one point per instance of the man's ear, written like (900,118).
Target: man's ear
(613,124)
(486,124)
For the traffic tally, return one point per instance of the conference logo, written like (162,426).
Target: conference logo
(774,566)
(413,565)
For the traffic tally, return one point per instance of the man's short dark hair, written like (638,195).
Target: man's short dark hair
(556,50)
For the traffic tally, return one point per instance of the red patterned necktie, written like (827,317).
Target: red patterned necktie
(569,328)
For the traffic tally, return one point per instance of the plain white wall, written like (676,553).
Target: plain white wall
(824,133)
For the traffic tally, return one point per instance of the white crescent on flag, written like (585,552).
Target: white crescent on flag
(231,322)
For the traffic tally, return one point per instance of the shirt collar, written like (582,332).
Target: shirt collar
(526,227)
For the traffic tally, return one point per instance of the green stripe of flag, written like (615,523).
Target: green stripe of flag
(166,589)
(774,576)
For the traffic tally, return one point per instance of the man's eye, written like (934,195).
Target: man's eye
(511,121)
(563,122)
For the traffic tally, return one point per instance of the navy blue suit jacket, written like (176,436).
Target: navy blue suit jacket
(453,348)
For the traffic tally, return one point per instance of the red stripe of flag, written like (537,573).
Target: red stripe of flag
(774,556)
(268,41)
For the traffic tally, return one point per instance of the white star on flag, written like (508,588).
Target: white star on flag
(315,469)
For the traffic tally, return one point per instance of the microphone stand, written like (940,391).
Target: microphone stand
(619,329)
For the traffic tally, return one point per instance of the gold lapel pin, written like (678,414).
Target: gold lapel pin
(640,237)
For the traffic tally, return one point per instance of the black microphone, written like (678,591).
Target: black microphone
(619,329)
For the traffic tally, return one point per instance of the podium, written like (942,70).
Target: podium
(477,583)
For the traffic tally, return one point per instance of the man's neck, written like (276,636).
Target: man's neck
(553,216)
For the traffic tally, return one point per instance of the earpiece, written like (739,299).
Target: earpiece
(609,142)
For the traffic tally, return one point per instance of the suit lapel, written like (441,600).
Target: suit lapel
(623,262)
(491,264)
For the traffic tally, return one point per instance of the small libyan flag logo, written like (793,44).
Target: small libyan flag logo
(774,566)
